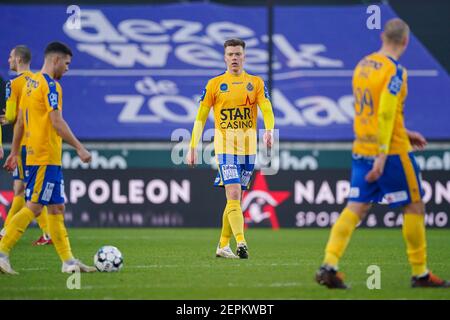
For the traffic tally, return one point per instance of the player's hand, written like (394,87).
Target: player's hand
(3,119)
(377,169)
(417,140)
(1,153)
(191,157)
(268,138)
(84,155)
(10,163)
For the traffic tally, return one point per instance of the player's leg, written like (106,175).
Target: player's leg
(14,232)
(362,194)
(342,231)
(413,228)
(227,174)
(18,200)
(42,221)
(53,197)
(18,188)
(236,217)
(339,238)
(416,247)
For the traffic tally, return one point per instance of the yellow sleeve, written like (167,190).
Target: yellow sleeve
(206,101)
(265,105)
(11,102)
(387,110)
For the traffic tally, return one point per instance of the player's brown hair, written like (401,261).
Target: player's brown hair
(395,31)
(234,43)
(58,47)
(23,52)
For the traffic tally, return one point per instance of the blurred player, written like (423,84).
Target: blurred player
(234,96)
(383,164)
(45,128)
(19,61)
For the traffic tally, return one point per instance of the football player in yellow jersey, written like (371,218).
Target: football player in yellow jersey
(234,97)
(19,61)
(383,166)
(44,128)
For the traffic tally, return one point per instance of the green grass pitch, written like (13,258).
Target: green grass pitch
(181,264)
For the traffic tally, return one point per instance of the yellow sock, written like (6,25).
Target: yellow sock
(340,236)
(15,229)
(59,235)
(17,204)
(226,234)
(236,219)
(416,246)
(42,221)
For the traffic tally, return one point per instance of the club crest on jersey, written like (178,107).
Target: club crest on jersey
(203,95)
(53,99)
(223,87)
(249,86)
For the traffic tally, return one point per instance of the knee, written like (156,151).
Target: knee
(234,194)
(56,209)
(415,208)
(360,209)
(19,190)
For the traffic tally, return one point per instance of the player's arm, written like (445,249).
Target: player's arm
(416,139)
(11,161)
(206,101)
(387,110)
(266,108)
(64,131)
(11,103)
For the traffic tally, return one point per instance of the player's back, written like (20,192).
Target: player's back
(14,93)
(44,145)
(374,75)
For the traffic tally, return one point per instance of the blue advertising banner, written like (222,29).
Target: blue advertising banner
(138,71)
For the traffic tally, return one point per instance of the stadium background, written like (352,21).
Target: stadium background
(132,181)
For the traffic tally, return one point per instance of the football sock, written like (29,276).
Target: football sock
(226,234)
(17,204)
(416,247)
(340,236)
(42,221)
(59,236)
(236,219)
(15,229)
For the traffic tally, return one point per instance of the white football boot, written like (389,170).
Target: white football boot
(5,266)
(75,265)
(225,252)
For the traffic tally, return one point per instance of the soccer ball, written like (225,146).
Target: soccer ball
(108,259)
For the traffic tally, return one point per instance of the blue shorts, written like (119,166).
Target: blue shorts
(21,172)
(45,185)
(235,169)
(399,185)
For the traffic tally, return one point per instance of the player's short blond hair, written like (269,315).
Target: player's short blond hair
(234,43)
(395,31)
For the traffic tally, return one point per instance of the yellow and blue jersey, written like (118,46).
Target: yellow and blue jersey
(380,85)
(15,89)
(375,75)
(44,145)
(235,100)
